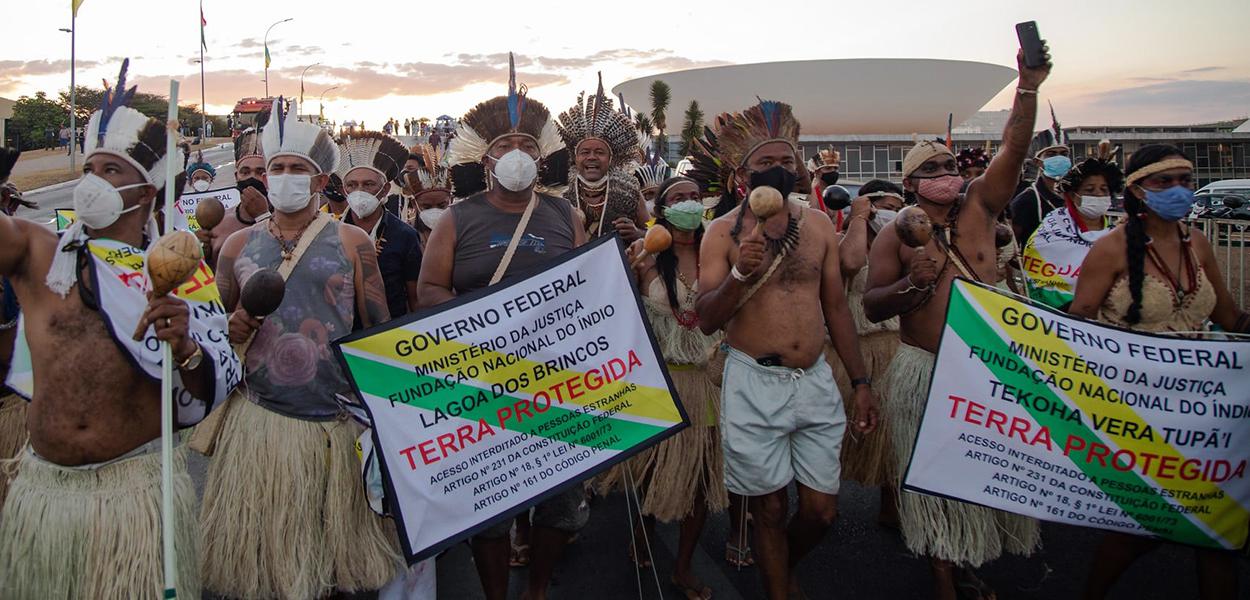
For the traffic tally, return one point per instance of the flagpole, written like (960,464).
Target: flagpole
(267,52)
(73,94)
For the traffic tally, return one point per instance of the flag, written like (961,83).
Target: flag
(266,56)
(73,7)
(203,22)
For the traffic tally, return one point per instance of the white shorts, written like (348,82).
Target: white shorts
(780,424)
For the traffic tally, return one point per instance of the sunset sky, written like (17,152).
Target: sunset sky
(1116,61)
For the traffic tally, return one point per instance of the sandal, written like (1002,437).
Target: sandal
(520,556)
(739,557)
(692,593)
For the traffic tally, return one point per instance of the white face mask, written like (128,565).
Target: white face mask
(362,203)
(882,218)
(651,207)
(290,193)
(97,203)
(200,185)
(515,170)
(430,216)
(1093,207)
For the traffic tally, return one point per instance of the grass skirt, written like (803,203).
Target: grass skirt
(12,435)
(867,459)
(959,532)
(672,473)
(285,514)
(95,533)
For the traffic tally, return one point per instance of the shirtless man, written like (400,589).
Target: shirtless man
(285,473)
(93,458)
(915,286)
(783,418)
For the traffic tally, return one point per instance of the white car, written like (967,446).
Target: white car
(1240,187)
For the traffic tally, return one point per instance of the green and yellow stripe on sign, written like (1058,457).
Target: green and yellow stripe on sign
(976,316)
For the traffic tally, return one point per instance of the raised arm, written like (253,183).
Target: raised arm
(434,283)
(996,188)
(716,305)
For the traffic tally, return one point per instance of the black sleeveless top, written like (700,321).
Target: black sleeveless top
(483,233)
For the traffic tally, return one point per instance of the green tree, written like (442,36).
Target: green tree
(661,96)
(692,128)
(37,121)
(87,101)
(643,124)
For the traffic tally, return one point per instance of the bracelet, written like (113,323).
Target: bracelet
(1026,91)
(911,287)
(738,274)
(858,381)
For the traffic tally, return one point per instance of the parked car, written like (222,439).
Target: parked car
(1220,206)
(1241,187)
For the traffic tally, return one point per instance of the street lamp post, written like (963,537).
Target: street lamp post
(301,84)
(267,51)
(73,101)
(321,102)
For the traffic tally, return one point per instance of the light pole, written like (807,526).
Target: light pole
(73,101)
(301,84)
(321,102)
(267,51)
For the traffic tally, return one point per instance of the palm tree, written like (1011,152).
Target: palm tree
(643,124)
(692,128)
(661,95)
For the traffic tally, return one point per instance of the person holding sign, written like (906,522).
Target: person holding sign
(1052,258)
(782,418)
(284,512)
(1154,273)
(83,517)
(489,237)
(909,283)
(683,477)
(370,160)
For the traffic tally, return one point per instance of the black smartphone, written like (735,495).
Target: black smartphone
(1031,43)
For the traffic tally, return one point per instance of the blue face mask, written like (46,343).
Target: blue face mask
(1055,167)
(1172,204)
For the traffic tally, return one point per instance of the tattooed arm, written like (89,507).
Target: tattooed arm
(370,291)
(997,187)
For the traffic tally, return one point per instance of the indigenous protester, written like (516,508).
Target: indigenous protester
(782,418)
(907,283)
(253,207)
(400,202)
(83,516)
(824,173)
(1051,155)
(508,136)
(868,458)
(972,162)
(1153,273)
(200,173)
(652,172)
(284,512)
(682,479)
(603,145)
(368,162)
(1053,256)
(429,185)
(12,406)
(334,199)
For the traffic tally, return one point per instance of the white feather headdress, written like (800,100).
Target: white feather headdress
(378,152)
(286,135)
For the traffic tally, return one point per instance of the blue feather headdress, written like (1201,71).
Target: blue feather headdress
(113,99)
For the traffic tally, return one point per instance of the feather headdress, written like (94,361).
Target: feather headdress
(201,165)
(621,202)
(372,150)
(595,118)
(286,135)
(975,156)
(1055,137)
(247,144)
(514,114)
(1101,163)
(653,171)
(127,133)
(432,174)
(734,137)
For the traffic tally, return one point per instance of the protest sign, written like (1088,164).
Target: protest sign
(184,209)
(496,400)
(64,218)
(1042,414)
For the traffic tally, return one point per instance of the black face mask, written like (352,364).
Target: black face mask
(252,182)
(829,177)
(778,178)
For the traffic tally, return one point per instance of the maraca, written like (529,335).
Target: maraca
(262,294)
(172,260)
(765,202)
(914,227)
(209,213)
(1002,235)
(657,240)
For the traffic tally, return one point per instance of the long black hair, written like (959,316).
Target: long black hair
(666,261)
(1135,227)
